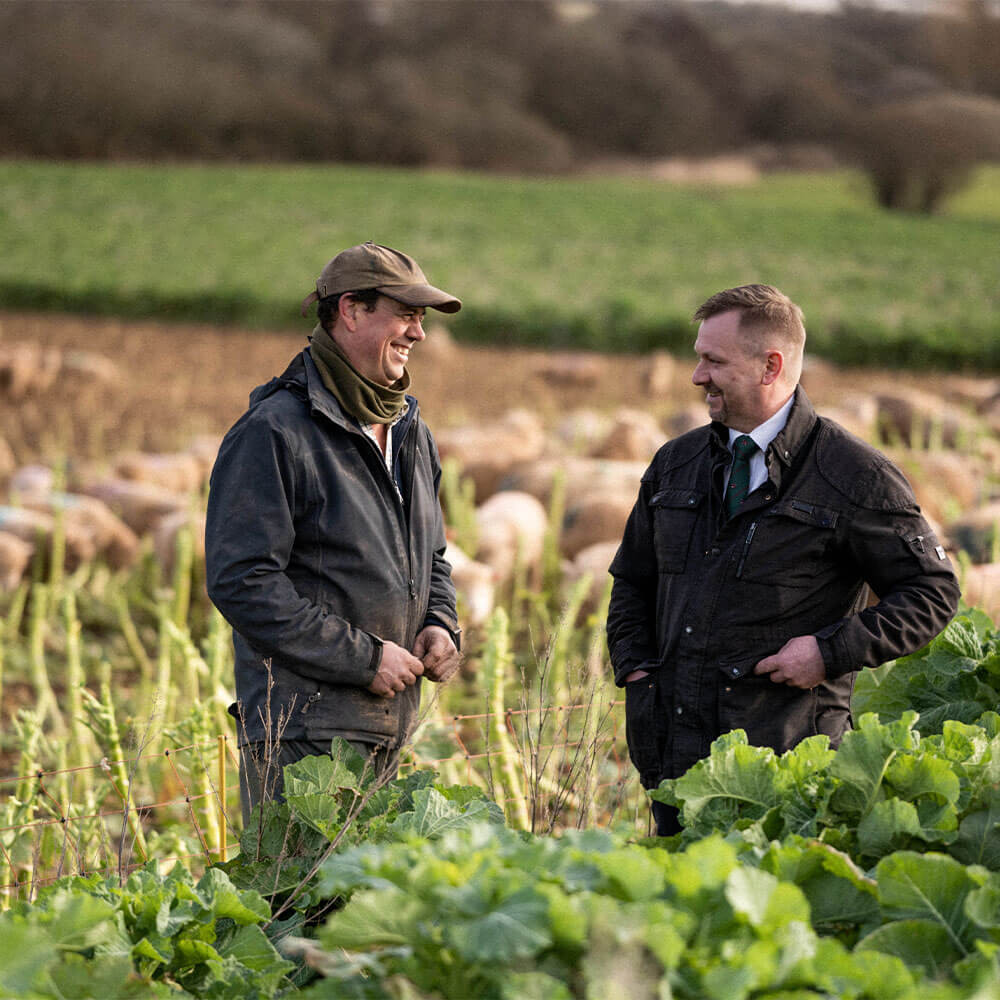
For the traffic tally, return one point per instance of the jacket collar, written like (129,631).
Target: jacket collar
(785,447)
(790,440)
(303,378)
(321,400)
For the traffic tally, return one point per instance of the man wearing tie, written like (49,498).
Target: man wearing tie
(741,586)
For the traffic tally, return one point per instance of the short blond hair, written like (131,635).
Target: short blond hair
(766,315)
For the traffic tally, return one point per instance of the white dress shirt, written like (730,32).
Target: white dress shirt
(763,435)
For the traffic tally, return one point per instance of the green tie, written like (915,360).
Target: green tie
(739,477)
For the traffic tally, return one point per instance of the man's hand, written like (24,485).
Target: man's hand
(798,663)
(397,670)
(437,652)
(636,675)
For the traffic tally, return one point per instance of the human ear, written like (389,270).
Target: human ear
(774,364)
(347,309)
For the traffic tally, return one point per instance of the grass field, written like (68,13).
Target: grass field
(613,264)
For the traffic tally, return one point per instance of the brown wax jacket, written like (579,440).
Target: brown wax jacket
(315,555)
(698,600)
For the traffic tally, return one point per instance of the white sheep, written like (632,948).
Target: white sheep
(15,557)
(510,528)
(475,583)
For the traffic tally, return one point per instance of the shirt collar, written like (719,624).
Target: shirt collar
(766,432)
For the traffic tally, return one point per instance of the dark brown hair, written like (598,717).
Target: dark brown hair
(326,308)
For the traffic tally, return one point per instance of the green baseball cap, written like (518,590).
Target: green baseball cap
(391,272)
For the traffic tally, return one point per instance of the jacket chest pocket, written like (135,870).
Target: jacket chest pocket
(675,516)
(789,545)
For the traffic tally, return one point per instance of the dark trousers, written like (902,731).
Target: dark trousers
(667,819)
(262,767)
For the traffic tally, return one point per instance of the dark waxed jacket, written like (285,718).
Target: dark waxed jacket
(315,558)
(698,601)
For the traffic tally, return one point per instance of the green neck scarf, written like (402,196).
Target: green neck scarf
(370,402)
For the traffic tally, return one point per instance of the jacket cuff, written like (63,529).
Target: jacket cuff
(450,627)
(373,663)
(833,648)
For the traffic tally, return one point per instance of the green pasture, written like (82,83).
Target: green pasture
(602,263)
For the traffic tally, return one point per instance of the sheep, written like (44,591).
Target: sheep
(475,583)
(32,480)
(140,505)
(179,472)
(978,533)
(595,517)
(919,419)
(634,436)
(981,588)
(857,412)
(165,536)
(205,448)
(580,431)
(88,517)
(658,374)
(510,528)
(15,557)
(27,368)
(485,452)
(93,367)
(687,419)
(579,475)
(593,561)
(572,369)
(944,481)
(38,527)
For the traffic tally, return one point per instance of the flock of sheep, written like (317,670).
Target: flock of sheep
(948,443)
(949,446)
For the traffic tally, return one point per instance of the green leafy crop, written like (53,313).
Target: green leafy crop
(485,912)
(151,936)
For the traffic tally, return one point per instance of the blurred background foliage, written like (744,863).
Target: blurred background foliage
(910,95)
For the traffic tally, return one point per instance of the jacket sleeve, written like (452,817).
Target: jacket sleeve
(899,556)
(441,605)
(631,627)
(249,535)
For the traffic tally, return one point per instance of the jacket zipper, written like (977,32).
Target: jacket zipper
(746,550)
(406,424)
(397,452)
(390,473)
(407,438)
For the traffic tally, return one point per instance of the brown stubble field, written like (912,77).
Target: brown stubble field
(177,382)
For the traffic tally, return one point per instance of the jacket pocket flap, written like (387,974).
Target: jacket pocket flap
(738,669)
(672,497)
(807,513)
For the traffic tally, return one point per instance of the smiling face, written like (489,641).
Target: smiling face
(737,380)
(378,342)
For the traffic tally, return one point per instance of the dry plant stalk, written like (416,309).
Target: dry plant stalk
(561,752)
(507,777)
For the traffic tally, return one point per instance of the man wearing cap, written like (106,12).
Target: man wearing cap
(740,597)
(324,538)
